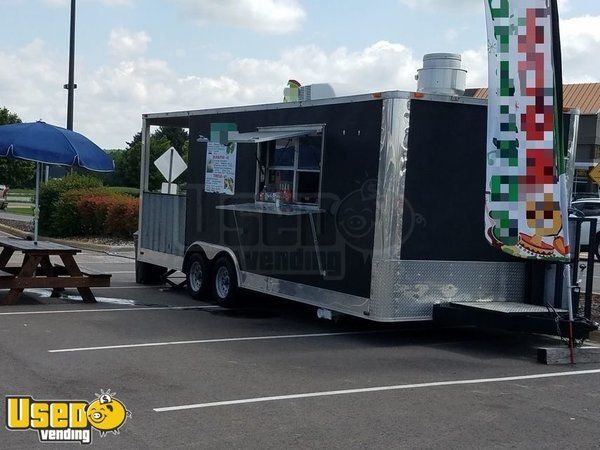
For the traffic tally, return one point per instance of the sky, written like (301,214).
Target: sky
(135,57)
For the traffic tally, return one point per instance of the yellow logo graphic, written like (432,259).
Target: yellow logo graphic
(67,421)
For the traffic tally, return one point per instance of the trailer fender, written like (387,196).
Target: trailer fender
(192,250)
(212,253)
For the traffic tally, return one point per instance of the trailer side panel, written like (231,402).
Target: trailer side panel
(283,247)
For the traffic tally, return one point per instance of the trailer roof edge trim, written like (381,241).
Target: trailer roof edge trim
(378,96)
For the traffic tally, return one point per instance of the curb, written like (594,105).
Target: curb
(71,243)
(91,246)
(14,231)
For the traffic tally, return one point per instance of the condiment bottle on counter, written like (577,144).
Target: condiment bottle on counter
(277,200)
(287,194)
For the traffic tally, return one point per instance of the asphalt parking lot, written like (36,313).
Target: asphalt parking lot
(269,375)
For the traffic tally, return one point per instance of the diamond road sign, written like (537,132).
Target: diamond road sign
(595,175)
(171,165)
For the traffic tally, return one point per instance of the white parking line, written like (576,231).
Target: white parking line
(377,389)
(158,286)
(121,272)
(103,310)
(212,341)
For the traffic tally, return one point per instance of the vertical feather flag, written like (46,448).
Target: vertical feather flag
(526,204)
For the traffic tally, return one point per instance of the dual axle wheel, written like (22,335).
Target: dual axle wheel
(218,279)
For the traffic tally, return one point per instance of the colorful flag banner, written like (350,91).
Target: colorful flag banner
(526,204)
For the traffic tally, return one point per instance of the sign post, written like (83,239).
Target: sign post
(171,165)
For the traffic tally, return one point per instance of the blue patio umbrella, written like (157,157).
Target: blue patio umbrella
(49,144)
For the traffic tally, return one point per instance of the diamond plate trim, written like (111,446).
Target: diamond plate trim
(509,307)
(407,290)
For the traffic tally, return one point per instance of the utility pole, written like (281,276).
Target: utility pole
(71,86)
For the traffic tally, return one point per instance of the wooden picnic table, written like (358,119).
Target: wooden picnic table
(37,271)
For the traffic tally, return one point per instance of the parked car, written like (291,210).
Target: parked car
(588,208)
(3,196)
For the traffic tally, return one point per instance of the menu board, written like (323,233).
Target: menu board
(220,168)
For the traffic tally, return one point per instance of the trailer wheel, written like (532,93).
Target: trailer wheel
(197,276)
(225,284)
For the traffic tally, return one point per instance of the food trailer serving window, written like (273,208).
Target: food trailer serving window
(289,162)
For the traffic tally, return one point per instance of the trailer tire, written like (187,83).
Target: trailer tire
(197,276)
(225,283)
(146,273)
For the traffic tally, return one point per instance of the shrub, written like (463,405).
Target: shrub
(108,215)
(50,195)
(93,210)
(122,217)
(65,219)
(79,205)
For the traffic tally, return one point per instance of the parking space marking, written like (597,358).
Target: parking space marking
(130,287)
(376,389)
(214,341)
(122,272)
(103,310)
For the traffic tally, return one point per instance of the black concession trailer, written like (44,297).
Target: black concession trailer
(369,205)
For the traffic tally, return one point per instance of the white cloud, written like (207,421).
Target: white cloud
(451,34)
(56,3)
(265,16)
(114,97)
(31,81)
(62,3)
(462,6)
(476,63)
(117,2)
(454,5)
(564,5)
(580,41)
(124,43)
(581,47)
(111,98)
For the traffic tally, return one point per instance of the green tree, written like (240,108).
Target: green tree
(127,162)
(127,165)
(16,174)
(8,118)
(111,178)
(178,137)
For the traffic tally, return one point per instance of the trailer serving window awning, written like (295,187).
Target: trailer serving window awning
(273,134)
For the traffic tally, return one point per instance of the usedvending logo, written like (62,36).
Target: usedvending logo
(67,420)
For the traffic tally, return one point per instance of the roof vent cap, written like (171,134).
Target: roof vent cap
(442,73)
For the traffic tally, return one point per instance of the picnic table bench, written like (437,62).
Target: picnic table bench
(37,271)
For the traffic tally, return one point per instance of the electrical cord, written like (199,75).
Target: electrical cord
(564,317)
(552,312)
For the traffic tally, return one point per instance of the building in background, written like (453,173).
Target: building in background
(585,98)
